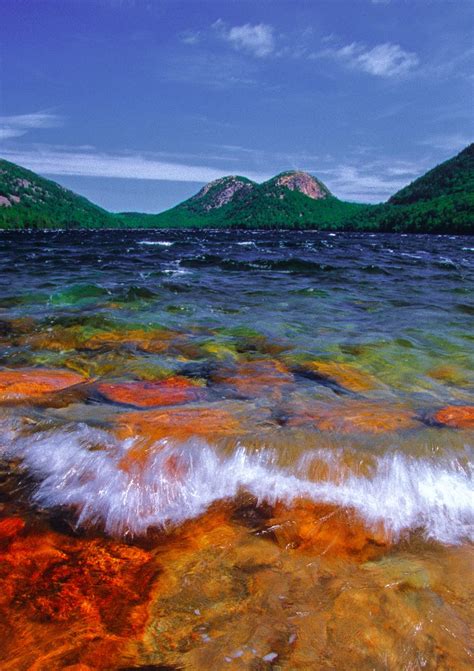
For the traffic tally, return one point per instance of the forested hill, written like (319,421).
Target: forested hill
(451,178)
(30,201)
(441,201)
(292,199)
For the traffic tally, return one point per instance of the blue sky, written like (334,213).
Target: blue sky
(136,103)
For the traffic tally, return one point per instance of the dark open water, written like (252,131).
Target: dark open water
(261,460)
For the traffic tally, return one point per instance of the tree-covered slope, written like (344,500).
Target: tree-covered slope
(450,178)
(30,201)
(441,201)
(290,200)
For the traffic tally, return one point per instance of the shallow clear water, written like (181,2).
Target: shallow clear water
(269,428)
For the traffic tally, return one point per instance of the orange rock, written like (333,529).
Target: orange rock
(63,579)
(456,416)
(11,526)
(69,602)
(344,374)
(255,378)
(327,530)
(173,391)
(355,417)
(178,423)
(34,382)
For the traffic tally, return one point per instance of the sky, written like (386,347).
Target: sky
(136,104)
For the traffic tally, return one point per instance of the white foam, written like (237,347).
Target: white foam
(179,482)
(161,243)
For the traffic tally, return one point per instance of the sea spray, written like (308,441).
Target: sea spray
(94,473)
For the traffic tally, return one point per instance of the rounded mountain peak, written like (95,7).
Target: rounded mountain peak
(222,190)
(298,180)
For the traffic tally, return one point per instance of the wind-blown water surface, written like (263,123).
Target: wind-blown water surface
(236,450)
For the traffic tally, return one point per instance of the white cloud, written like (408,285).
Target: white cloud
(19,124)
(383,60)
(257,39)
(51,161)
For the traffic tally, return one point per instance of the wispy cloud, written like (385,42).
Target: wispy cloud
(190,36)
(356,178)
(383,60)
(374,181)
(448,142)
(51,161)
(19,124)
(362,175)
(257,40)
(202,68)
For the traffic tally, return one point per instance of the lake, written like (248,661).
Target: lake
(236,449)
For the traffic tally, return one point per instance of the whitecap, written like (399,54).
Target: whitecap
(161,243)
(177,482)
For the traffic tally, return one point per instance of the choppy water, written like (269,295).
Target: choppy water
(316,369)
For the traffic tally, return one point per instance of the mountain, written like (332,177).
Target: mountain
(288,200)
(441,201)
(30,201)
(451,178)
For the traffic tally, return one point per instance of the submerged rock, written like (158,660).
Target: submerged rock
(67,600)
(326,529)
(178,423)
(343,374)
(255,378)
(86,337)
(173,391)
(10,527)
(451,375)
(354,416)
(34,383)
(456,416)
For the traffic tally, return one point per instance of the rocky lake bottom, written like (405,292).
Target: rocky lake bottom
(236,450)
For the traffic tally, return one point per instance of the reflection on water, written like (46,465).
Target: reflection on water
(243,451)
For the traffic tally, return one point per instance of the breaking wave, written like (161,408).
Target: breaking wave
(101,479)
